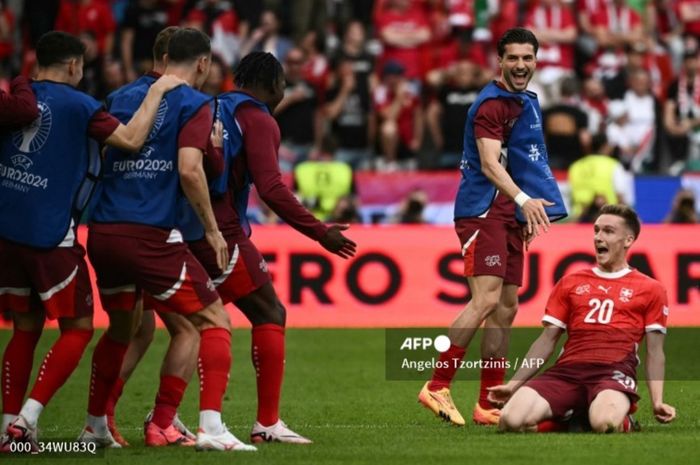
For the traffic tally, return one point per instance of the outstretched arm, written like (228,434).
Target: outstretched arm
(539,353)
(18,108)
(655,367)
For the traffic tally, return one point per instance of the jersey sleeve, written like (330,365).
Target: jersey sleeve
(195,133)
(102,125)
(656,313)
(490,118)
(558,306)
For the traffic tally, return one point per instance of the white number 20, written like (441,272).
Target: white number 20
(601,312)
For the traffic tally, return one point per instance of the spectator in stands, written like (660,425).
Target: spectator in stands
(90,16)
(683,210)
(218,19)
(7,32)
(354,48)
(322,182)
(412,207)
(404,29)
(663,23)
(615,26)
(316,69)
(689,15)
(599,174)
(447,112)
(307,15)
(348,111)
(297,114)
(400,119)
(143,20)
(644,111)
(219,79)
(682,113)
(346,211)
(267,38)
(553,23)
(595,103)
(565,127)
(586,42)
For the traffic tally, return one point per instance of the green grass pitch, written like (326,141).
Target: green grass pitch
(336,393)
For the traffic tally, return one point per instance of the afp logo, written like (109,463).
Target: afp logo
(441,343)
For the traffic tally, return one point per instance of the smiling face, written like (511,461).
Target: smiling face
(517,64)
(612,238)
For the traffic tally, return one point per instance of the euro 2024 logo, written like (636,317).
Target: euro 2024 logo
(31,138)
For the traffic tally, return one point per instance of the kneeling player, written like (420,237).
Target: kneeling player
(607,311)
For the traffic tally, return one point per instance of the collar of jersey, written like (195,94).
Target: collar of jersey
(614,275)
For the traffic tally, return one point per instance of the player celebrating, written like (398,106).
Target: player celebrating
(606,312)
(181,357)
(48,170)
(134,246)
(250,156)
(504,163)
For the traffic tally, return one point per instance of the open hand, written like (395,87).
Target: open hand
(499,395)
(534,213)
(335,242)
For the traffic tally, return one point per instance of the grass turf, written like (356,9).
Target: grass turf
(336,393)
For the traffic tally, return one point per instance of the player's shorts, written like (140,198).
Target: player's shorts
(246,270)
(491,247)
(570,388)
(56,280)
(131,259)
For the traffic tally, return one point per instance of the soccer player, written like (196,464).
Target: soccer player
(250,157)
(134,246)
(606,312)
(180,359)
(18,108)
(504,164)
(47,172)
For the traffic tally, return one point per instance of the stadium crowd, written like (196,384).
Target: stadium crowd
(386,84)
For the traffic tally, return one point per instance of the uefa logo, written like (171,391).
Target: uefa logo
(160,117)
(32,137)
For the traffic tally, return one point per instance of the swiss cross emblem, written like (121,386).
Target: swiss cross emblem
(625,294)
(583,289)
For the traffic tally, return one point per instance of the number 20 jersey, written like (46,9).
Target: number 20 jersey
(606,314)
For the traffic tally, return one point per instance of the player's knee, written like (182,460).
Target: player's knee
(485,305)
(212,316)
(603,424)
(277,314)
(510,421)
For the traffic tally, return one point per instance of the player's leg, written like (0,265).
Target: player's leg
(162,426)
(137,348)
(435,395)
(266,313)
(524,411)
(17,362)
(608,411)
(494,350)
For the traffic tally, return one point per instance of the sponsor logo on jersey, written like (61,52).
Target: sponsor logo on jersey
(604,289)
(625,294)
(493,260)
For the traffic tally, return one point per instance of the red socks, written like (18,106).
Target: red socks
(59,363)
(214,365)
(114,396)
(447,367)
(267,352)
(17,368)
(168,400)
(106,365)
(491,377)
(551,426)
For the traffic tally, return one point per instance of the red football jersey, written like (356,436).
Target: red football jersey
(606,314)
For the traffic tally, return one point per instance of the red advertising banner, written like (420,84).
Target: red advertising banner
(412,275)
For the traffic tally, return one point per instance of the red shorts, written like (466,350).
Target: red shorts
(129,259)
(491,247)
(56,280)
(246,270)
(570,388)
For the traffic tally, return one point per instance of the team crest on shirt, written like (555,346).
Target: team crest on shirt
(625,294)
(263,266)
(493,260)
(583,289)
(32,137)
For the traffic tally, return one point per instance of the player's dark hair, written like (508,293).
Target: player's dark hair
(258,69)
(160,46)
(58,47)
(627,214)
(188,44)
(517,35)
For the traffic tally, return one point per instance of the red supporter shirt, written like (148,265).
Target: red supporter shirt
(95,17)
(494,120)
(261,141)
(410,57)
(555,17)
(690,27)
(383,97)
(616,19)
(606,314)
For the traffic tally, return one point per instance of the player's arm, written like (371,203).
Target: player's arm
(261,157)
(539,353)
(130,137)
(18,108)
(533,209)
(655,367)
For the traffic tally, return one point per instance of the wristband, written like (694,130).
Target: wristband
(521,198)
